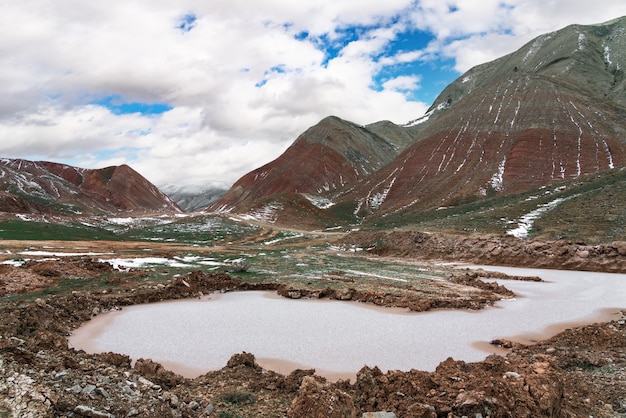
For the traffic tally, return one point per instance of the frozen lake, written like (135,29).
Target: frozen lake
(338,338)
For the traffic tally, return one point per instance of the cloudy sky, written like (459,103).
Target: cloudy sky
(199,92)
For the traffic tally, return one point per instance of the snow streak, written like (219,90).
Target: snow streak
(526,221)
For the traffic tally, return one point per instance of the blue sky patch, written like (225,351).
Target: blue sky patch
(413,40)
(129,153)
(277,69)
(118,106)
(435,73)
(187,22)
(332,47)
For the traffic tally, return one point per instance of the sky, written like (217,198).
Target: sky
(195,93)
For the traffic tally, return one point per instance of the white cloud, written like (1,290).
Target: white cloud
(243,82)
(472,32)
(402,83)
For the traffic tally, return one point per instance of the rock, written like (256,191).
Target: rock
(511,375)
(470,398)
(420,410)
(243,359)
(317,398)
(621,248)
(87,411)
(60,375)
(115,359)
(502,343)
(172,399)
(89,389)
(193,405)
(582,253)
(344,294)
(156,372)
(380,415)
(76,389)
(294,379)
(146,382)
(102,392)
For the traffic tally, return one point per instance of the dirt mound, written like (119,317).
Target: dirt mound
(38,275)
(504,250)
(541,380)
(472,293)
(16,280)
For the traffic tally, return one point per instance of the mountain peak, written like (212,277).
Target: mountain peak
(584,57)
(326,157)
(44,186)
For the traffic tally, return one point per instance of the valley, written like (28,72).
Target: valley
(519,162)
(77,281)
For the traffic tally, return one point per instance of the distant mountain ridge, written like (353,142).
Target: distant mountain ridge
(49,187)
(552,111)
(190,199)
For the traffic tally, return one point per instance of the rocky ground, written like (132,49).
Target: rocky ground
(502,250)
(579,372)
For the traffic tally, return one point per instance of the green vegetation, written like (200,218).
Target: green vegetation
(227,414)
(214,244)
(15,229)
(65,286)
(238,398)
(344,212)
(591,211)
(201,230)
(155,249)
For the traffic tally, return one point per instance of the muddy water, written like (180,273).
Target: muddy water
(338,338)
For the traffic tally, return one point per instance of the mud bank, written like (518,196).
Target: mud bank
(579,372)
(501,250)
(341,337)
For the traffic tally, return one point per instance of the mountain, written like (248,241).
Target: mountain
(48,187)
(191,199)
(552,111)
(326,157)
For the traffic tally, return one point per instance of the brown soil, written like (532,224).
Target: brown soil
(579,372)
(502,250)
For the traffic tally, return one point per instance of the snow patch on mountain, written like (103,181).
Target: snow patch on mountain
(427,115)
(526,221)
(497,180)
(375,200)
(320,202)
(267,213)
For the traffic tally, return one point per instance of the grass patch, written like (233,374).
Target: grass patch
(200,230)
(593,211)
(238,398)
(228,414)
(14,229)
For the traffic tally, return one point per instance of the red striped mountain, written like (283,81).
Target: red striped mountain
(552,111)
(328,156)
(48,187)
